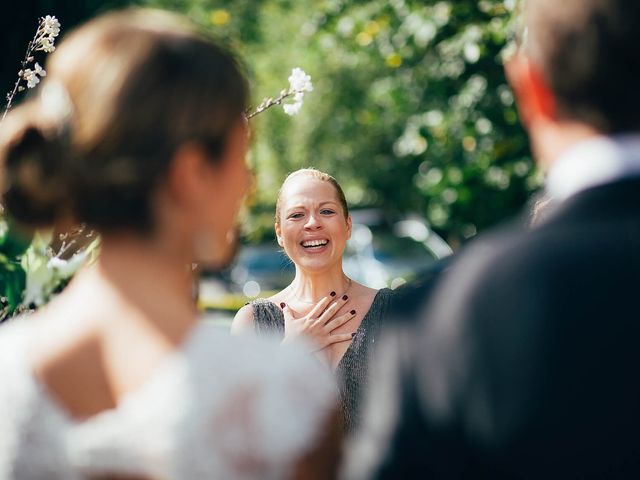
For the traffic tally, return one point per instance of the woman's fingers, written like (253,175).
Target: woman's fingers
(340,337)
(332,310)
(321,306)
(339,321)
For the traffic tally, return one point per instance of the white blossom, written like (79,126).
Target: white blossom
(39,70)
(46,45)
(51,26)
(66,268)
(49,30)
(291,108)
(38,285)
(31,78)
(299,81)
(292,98)
(40,280)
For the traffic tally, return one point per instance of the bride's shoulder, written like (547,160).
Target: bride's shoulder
(12,337)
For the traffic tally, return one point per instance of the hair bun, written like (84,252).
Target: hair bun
(33,187)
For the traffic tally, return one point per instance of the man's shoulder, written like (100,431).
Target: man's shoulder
(502,246)
(512,254)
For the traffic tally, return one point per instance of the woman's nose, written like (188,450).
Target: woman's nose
(313,223)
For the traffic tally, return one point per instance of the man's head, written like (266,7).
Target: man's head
(579,65)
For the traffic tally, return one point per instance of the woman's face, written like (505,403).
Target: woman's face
(313,229)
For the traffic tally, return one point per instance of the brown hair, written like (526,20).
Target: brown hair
(136,84)
(317,174)
(587,50)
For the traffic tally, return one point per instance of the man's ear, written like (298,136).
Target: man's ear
(533,95)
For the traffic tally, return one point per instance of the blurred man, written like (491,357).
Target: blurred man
(525,363)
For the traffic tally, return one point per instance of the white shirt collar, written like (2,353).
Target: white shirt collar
(594,162)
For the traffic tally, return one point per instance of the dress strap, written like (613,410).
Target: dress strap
(268,318)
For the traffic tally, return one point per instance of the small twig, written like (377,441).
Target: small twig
(43,40)
(270,102)
(27,59)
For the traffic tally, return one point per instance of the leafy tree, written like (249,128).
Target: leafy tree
(411,109)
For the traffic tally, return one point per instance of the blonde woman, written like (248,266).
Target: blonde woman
(341,318)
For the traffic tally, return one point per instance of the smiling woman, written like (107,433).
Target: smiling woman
(337,317)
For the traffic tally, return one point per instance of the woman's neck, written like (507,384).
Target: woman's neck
(141,279)
(309,287)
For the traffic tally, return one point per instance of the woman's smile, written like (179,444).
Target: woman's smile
(316,245)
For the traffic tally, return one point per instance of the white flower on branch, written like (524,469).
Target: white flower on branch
(31,76)
(46,45)
(48,30)
(43,40)
(299,83)
(39,70)
(51,26)
(292,108)
(67,268)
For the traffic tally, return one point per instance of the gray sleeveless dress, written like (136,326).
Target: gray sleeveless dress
(352,371)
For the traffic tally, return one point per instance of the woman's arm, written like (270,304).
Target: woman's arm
(243,322)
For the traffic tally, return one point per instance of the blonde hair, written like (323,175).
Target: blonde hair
(318,175)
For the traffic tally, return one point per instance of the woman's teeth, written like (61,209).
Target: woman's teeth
(314,243)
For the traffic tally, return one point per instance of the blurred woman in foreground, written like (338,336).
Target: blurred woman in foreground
(139,132)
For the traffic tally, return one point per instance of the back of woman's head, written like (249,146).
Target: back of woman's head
(122,94)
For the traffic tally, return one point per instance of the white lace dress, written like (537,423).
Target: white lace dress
(215,408)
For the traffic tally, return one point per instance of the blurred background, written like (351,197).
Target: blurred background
(410,111)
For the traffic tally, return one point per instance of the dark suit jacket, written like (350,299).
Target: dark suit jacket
(526,364)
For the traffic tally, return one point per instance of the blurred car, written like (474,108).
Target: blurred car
(380,253)
(385,252)
(260,268)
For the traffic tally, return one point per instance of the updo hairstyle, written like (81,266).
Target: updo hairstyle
(131,87)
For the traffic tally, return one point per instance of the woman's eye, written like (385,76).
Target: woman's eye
(327,212)
(295,215)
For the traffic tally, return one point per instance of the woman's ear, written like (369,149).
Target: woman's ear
(349,226)
(279,234)
(188,175)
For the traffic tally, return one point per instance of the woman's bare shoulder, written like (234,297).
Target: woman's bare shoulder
(243,322)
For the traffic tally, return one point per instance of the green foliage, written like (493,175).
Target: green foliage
(12,276)
(411,110)
(32,271)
